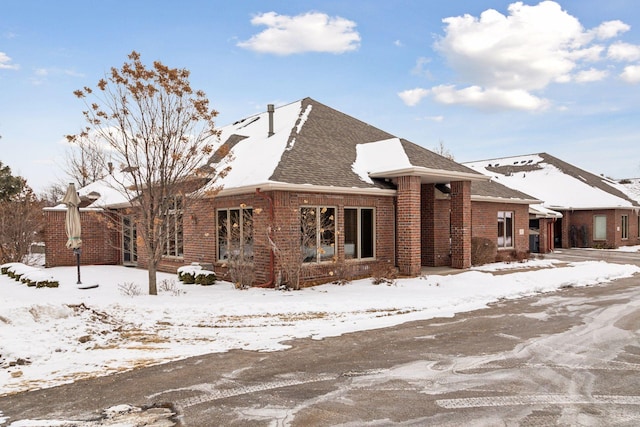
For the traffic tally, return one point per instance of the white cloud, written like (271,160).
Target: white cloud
(412,97)
(624,52)
(591,75)
(528,49)
(309,32)
(610,29)
(5,62)
(504,59)
(631,74)
(420,69)
(491,98)
(398,43)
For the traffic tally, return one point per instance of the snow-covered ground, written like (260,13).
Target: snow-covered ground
(51,336)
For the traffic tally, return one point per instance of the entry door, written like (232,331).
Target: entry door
(129,247)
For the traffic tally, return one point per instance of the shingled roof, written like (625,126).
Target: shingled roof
(560,185)
(312,144)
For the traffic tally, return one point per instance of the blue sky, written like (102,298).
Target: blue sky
(486,78)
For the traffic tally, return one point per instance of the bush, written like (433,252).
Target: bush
(241,273)
(383,273)
(483,251)
(206,278)
(28,275)
(129,289)
(190,274)
(187,278)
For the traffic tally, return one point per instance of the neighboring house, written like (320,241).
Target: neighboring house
(594,211)
(309,180)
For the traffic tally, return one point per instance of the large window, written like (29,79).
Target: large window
(318,233)
(359,227)
(174,238)
(599,227)
(625,226)
(235,234)
(505,229)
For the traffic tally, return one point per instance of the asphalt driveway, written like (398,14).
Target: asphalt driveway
(570,357)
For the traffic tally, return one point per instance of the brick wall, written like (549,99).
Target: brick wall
(574,222)
(461,224)
(409,225)
(485,224)
(200,231)
(100,239)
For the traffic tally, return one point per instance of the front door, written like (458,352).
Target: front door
(129,247)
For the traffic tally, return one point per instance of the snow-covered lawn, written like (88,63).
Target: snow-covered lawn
(51,336)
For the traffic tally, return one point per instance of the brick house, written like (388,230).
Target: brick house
(360,196)
(594,211)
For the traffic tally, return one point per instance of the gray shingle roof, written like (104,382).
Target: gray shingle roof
(321,150)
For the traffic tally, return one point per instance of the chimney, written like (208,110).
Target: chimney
(270,110)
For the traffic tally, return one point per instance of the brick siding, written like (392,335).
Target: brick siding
(100,240)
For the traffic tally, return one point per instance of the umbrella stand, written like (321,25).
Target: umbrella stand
(77,252)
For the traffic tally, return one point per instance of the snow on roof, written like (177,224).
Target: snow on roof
(379,156)
(631,187)
(541,212)
(534,175)
(257,155)
(105,193)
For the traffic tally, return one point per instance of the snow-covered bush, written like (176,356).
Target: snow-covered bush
(194,273)
(31,276)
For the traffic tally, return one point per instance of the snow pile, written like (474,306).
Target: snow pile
(52,336)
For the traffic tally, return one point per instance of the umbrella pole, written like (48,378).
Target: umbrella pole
(77,252)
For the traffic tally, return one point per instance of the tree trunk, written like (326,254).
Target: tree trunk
(153,289)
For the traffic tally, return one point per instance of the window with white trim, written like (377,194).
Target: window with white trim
(235,234)
(624,227)
(599,227)
(359,233)
(505,229)
(318,233)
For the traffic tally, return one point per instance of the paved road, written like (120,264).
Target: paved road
(566,358)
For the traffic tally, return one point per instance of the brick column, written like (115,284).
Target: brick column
(461,224)
(408,222)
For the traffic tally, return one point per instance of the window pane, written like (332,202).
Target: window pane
(599,227)
(501,229)
(308,234)
(179,235)
(222,235)
(350,233)
(327,234)
(508,229)
(625,226)
(366,233)
(247,233)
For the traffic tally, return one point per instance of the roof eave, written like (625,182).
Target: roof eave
(496,199)
(428,175)
(303,188)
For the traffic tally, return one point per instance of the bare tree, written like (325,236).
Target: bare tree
(21,221)
(158,132)
(443,151)
(86,160)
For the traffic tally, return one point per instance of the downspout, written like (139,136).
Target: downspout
(271,282)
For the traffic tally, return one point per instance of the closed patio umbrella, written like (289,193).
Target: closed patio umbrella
(72,223)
